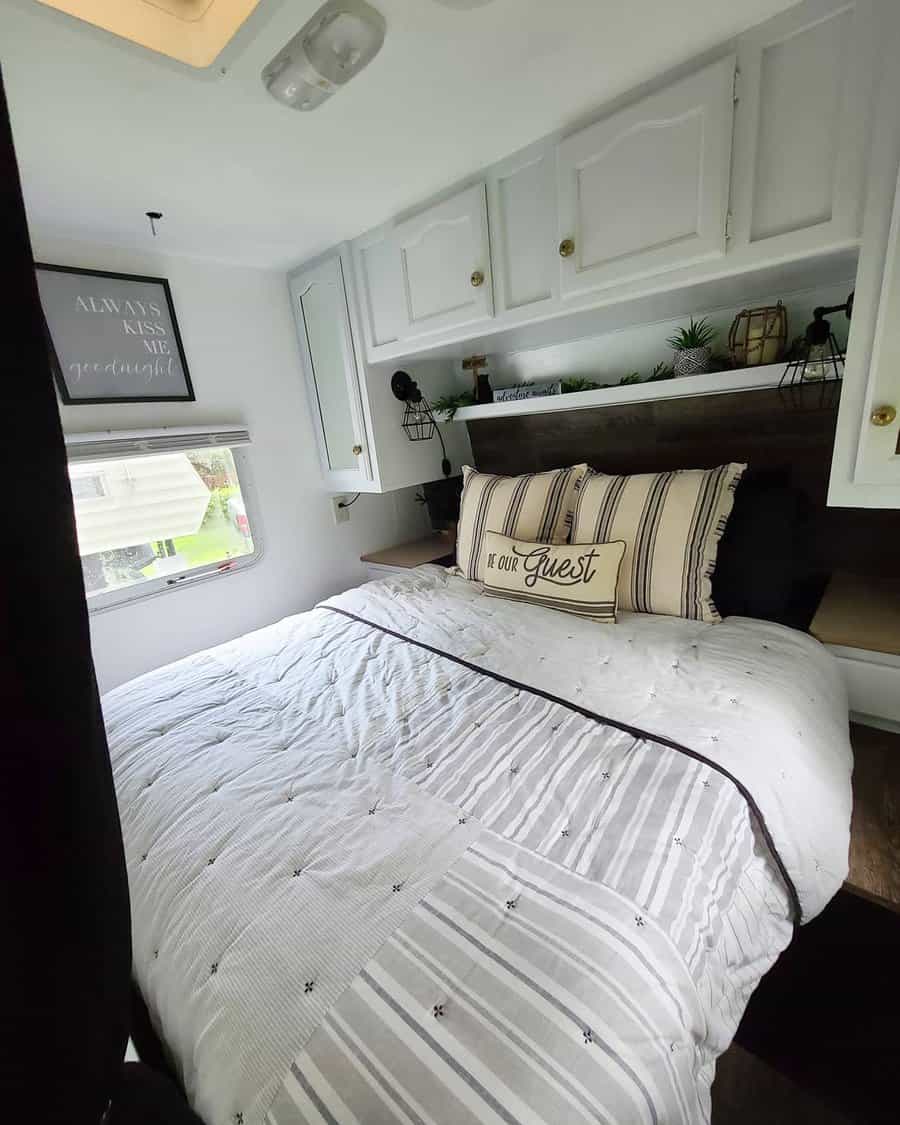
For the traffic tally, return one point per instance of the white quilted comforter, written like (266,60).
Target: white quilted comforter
(422,856)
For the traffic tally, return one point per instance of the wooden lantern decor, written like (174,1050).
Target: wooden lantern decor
(758,336)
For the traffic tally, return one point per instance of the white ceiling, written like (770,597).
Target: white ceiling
(105,131)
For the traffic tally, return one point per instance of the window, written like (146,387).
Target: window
(152,520)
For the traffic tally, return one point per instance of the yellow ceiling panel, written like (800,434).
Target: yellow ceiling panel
(191,31)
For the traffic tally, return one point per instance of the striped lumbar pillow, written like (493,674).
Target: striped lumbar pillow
(575,579)
(672,524)
(536,507)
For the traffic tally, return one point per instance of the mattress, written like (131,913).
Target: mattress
(419,855)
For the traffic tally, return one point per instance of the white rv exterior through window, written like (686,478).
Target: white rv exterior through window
(155,511)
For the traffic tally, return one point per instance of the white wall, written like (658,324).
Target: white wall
(400,460)
(239,340)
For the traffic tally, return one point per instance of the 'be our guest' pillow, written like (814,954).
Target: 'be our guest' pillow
(574,578)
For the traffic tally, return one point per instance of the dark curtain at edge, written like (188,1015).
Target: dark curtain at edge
(64,913)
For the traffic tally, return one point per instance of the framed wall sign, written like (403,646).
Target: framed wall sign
(113,337)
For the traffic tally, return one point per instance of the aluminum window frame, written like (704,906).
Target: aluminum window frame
(102,602)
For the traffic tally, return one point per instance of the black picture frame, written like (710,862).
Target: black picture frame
(56,366)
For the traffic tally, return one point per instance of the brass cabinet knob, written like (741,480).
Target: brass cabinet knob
(883,415)
(566,248)
(477,278)
(357,449)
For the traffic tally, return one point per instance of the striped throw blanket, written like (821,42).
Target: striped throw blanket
(423,856)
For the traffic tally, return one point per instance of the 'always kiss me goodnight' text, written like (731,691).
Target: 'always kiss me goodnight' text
(136,319)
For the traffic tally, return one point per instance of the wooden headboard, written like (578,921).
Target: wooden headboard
(790,429)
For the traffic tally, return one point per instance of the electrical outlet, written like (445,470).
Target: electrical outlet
(341,515)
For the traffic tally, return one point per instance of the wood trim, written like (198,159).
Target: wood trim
(861,613)
(416,553)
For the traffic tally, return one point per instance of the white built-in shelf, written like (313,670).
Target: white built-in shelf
(719,382)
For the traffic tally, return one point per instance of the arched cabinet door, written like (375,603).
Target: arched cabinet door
(321,311)
(645,190)
(444,262)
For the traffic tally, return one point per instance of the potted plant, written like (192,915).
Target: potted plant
(692,347)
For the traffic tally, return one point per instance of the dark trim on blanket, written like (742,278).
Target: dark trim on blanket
(636,732)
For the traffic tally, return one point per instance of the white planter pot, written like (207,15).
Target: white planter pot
(692,361)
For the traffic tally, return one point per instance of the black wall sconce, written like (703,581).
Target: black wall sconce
(819,358)
(418,421)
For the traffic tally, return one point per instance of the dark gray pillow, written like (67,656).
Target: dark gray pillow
(762,567)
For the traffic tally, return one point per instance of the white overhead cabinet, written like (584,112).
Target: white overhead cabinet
(430,273)
(778,160)
(356,420)
(320,304)
(522,209)
(878,456)
(645,190)
(445,263)
(802,129)
(750,162)
(380,286)
(865,470)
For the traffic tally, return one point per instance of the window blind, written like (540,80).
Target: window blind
(111,445)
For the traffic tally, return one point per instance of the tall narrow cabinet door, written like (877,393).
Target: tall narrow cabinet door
(379,288)
(646,190)
(865,466)
(320,306)
(878,453)
(522,202)
(805,89)
(445,263)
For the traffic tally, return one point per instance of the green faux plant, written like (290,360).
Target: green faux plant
(630,380)
(577,383)
(661,371)
(449,404)
(698,334)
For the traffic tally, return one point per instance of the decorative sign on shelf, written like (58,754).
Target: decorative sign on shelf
(113,337)
(527,390)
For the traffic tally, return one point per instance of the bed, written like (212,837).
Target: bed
(419,855)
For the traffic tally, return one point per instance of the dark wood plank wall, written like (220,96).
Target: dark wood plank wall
(790,430)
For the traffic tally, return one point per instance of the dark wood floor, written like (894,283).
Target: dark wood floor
(875,834)
(820,1041)
(748,1091)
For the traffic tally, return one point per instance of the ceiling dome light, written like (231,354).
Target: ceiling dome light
(340,39)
